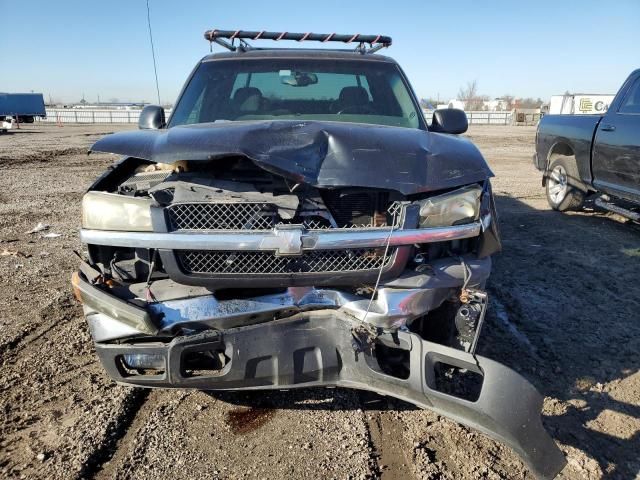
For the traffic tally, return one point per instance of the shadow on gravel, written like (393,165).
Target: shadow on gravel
(564,310)
(312,399)
(567,284)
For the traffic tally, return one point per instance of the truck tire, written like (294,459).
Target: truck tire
(563,192)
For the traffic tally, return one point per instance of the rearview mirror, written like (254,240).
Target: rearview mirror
(449,120)
(297,79)
(151,118)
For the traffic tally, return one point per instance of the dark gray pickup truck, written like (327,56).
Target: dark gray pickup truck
(582,155)
(296,223)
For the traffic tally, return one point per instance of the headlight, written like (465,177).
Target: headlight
(452,208)
(110,211)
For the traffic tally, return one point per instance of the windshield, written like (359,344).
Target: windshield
(281,89)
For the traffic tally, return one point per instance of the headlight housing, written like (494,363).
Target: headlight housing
(457,207)
(110,211)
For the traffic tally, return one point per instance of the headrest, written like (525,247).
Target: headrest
(248,99)
(354,96)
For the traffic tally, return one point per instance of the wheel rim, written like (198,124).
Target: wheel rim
(558,184)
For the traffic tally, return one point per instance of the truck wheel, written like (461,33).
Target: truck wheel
(562,192)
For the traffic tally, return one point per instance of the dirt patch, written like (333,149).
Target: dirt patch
(387,433)
(10,161)
(246,420)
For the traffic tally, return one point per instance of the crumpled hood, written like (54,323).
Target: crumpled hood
(321,154)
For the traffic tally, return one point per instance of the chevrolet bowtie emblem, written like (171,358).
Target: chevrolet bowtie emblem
(286,240)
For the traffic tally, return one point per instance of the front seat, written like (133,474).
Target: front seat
(354,98)
(247,100)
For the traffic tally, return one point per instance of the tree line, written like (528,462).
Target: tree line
(473,100)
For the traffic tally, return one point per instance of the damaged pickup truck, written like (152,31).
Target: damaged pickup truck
(296,223)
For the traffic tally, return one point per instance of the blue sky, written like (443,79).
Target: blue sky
(65,48)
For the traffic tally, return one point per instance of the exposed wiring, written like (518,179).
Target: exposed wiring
(149,295)
(116,271)
(384,262)
(466,272)
(364,334)
(153,52)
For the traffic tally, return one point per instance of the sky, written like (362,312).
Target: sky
(67,48)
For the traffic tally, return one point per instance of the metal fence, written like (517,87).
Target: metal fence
(89,115)
(481,117)
(489,118)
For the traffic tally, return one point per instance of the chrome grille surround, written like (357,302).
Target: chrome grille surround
(264,262)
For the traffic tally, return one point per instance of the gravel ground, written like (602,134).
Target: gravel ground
(564,313)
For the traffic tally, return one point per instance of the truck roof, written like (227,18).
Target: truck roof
(300,53)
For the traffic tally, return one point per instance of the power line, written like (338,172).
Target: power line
(153,53)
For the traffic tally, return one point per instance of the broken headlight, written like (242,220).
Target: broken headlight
(456,207)
(110,211)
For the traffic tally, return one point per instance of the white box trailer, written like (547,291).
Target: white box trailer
(580,104)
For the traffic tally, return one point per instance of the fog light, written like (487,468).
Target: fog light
(144,361)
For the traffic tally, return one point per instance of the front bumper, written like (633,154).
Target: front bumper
(303,338)
(314,349)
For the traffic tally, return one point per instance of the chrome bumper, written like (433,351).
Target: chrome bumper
(285,241)
(395,304)
(391,309)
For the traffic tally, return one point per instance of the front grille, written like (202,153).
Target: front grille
(252,216)
(221,216)
(318,261)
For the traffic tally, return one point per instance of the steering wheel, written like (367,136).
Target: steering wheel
(366,109)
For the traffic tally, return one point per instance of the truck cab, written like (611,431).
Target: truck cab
(616,144)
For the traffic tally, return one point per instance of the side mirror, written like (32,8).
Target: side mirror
(151,118)
(449,120)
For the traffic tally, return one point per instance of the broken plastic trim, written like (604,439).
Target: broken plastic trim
(318,352)
(96,300)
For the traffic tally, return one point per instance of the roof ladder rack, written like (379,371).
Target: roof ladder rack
(376,42)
